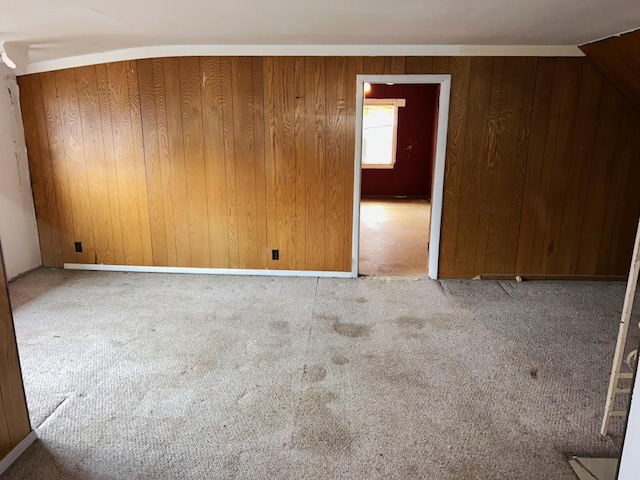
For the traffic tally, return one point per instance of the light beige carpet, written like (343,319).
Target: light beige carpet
(184,376)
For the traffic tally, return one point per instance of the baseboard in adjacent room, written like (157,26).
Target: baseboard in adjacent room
(18,450)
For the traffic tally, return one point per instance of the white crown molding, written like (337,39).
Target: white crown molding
(307,50)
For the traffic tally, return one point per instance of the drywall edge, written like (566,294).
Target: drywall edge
(18,228)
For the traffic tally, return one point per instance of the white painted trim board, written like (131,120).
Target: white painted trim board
(157,51)
(18,450)
(440,157)
(204,271)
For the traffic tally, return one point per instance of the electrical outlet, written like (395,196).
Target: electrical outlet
(78,247)
(275,254)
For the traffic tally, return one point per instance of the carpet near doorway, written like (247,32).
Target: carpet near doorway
(133,375)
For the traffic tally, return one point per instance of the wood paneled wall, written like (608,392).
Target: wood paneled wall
(618,58)
(213,162)
(14,418)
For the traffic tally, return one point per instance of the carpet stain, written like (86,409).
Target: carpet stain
(317,428)
(280,326)
(339,359)
(361,300)
(413,323)
(313,373)
(351,330)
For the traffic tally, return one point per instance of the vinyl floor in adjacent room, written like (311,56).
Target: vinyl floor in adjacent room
(394,237)
(133,375)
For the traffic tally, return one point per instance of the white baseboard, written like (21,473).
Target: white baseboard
(205,271)
(18,450)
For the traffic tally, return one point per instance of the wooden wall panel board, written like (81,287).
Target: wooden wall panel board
(257,106)
(369,65)
(473,180)
(176,162)
(164,164)
(614,209)
(459,67)
(629,203)
(271,133)
(286,165)
(315,137)
(335,178)
(441,65)
(300,155)
(413,65)
(74,150)
(506,149)
(226,75)
(561,162)
(138,157)
(530,68)
(110,162)
(55,136)
(539,246)
(125,163)
(153,162)
(535,161)
(618,58)
(579,168)
(46,230)
(599,179)
(213,125)
(245,160)
(195,171)
(98,188)
(488,167)
(14,418)
(427,65)
(397,65)
(54,256)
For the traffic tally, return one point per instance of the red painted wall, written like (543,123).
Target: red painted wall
(412,174)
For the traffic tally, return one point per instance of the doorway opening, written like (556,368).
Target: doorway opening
(401,129)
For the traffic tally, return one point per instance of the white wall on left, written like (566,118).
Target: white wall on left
(18,229)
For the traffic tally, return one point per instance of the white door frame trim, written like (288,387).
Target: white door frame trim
(438,177)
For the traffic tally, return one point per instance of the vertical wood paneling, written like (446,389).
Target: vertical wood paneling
(530,212)
(195,172)
(176,162)
(138,157)
(599,180)
(99,195)
(213,118)
(110,162)
(335,177)
(257,106)
(473,183)
(488,171)
(14,418)
(150,130)
(41,180)
(245,160)
(506,148)
(214,162)
(226,81)
(55,139)
(315,199)
(580,167)
(460,68)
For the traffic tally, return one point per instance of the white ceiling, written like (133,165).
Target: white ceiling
(58,29)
